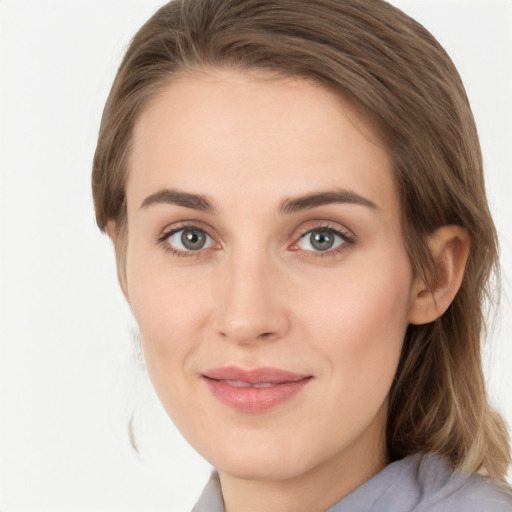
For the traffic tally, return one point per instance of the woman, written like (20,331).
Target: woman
(295,194)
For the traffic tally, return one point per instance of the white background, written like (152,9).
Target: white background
(69,380)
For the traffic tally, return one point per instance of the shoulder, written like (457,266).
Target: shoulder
(445,490)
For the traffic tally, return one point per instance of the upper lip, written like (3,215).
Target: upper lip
(254,375)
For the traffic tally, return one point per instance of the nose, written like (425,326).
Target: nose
(252,303)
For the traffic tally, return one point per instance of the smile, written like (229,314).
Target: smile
(243,384)
(254,390)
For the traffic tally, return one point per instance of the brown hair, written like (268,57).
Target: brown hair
(399,75)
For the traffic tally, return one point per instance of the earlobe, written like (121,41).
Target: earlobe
(449,246)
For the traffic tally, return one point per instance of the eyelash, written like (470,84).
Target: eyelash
(162,240)
(346,241)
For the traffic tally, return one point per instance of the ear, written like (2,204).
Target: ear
(111,229)
(449,246)
(120,246)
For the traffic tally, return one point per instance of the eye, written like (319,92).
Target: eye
(188,239)
(322,240)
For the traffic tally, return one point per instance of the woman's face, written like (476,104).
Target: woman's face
(267,272)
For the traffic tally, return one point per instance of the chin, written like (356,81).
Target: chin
(256,461)
(258,469)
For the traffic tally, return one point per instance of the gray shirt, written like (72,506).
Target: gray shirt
(414,484)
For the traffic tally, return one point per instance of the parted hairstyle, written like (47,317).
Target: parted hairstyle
(395,71)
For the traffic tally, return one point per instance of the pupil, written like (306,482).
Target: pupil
(193,239)
(322,241)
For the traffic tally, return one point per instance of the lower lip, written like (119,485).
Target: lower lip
(253,399)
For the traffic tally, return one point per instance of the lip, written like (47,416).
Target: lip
(254,390)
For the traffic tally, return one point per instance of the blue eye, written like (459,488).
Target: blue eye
(189,239)
(321,240)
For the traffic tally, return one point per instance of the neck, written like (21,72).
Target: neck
(315,490)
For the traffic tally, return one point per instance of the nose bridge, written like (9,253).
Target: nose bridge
(250,306)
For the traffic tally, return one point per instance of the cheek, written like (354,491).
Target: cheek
(359,322)
(170,333)
(167,309)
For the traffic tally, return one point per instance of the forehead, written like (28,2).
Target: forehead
(257,133)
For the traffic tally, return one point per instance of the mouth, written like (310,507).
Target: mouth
(254,390)
(244,384)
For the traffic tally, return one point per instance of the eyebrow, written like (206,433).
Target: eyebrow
(316,199)
(291,205)
(167,196)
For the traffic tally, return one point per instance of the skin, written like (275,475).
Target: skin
(258,294)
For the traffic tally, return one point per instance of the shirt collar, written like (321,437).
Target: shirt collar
(394,488)
(211,497)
